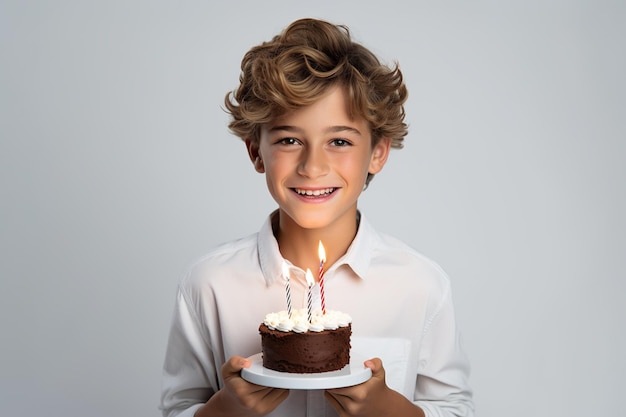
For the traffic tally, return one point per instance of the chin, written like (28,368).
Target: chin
(310,221)
(312,224)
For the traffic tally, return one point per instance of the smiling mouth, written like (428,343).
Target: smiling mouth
(322,192)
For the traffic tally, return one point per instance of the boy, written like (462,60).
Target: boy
(318,114)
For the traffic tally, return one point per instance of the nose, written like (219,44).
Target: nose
(313,163)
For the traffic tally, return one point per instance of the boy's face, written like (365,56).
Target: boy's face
(316,160)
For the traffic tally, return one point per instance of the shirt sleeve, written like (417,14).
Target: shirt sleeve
(189,374)
(442,388)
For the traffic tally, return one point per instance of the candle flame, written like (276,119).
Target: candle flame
(321,252)
(309,278)
(285,270)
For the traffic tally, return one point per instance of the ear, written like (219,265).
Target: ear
(380,153)
(255,156)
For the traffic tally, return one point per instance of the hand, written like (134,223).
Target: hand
(260,400)
(373,398)
(239,397)
(366,399)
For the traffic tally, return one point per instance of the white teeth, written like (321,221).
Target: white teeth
(316,193)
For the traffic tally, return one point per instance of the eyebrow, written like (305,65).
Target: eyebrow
(332,129)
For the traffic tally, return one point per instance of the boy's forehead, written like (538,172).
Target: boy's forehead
(329,112)
(295,121)
(334,104)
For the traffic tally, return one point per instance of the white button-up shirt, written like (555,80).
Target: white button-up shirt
(400,303)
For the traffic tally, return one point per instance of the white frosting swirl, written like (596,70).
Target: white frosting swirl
(299,320)
(285,326)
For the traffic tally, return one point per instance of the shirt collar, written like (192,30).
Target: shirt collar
(359,253)
(357,257)
(269,254)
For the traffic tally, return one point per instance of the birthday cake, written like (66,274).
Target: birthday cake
(303,344)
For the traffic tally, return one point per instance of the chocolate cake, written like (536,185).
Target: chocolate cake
(323,346)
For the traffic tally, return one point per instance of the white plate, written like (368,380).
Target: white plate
(352,374)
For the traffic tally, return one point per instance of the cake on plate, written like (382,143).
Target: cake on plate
(294,344)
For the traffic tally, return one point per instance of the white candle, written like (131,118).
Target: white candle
(287,286)
(310,281)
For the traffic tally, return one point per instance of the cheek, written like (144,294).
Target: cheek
(359,163)
(278,169)
(275,164)
(355,169)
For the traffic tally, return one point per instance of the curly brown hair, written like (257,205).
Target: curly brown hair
(303,62)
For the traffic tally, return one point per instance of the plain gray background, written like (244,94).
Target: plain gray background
(117,171)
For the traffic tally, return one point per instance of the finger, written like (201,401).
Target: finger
(264,400)
(276,395)
(348,395)
(233,366)
(331,397)
(376,365)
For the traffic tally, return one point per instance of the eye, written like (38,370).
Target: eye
(340,143)
(287,141)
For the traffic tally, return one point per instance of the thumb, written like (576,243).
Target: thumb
(233,366)
(376,365)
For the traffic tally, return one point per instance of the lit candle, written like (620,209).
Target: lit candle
(310,281)
(287,286)
(322,254)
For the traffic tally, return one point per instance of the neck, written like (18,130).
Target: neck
(300,245)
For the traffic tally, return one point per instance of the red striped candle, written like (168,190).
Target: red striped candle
(322,254)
